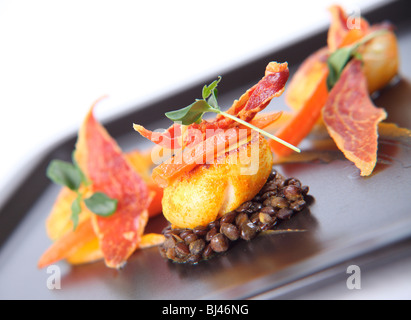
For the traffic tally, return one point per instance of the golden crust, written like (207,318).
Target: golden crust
(209,191)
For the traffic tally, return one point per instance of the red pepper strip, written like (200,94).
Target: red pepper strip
(300,125)
(104,164)
(68,244)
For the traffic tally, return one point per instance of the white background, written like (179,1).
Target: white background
(58,57)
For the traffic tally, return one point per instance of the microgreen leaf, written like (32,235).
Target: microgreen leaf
(75,211)
(336,63)
(101,204)
(208,90)
(65,174)
(191,113)
(195,111)
(339,58)
(71,176)
(83,176)
(212,100)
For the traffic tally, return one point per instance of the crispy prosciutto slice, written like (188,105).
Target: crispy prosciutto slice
(104,164)
(226,130)
(352,119)
(170,139)
(260,95)
(253,101)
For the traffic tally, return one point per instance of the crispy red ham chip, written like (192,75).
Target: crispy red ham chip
(103,162)
(352,119)
(170,138)
(259,96)
(246,108)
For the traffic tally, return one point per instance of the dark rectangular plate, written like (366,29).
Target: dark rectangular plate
(349,217)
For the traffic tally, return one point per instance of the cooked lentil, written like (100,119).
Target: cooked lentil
(278,200)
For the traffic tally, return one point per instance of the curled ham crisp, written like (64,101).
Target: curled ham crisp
(253,101)
(352,119)
(105,165)
(199,148)
(259,96)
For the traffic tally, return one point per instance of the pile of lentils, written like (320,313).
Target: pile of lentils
(278,200)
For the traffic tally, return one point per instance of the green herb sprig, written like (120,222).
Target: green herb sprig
(339,58)
(70,175)
(195,111)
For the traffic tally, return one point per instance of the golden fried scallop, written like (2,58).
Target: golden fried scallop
(210,190)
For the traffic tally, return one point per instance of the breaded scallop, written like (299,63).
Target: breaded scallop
(210,190)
